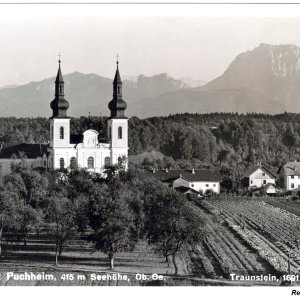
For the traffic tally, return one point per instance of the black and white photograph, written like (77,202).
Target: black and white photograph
(150,145)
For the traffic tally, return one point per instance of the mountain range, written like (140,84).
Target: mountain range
(263,80)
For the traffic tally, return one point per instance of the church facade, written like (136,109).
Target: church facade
(87,152)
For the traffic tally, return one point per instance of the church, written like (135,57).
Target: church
(85,151)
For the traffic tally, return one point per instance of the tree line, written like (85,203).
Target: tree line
(233,141)
(114,213)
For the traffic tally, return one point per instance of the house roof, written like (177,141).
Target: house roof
(184,189)
(269,184)
(199,175)
(291,168)
(76,138)
(29,150)
(253,169)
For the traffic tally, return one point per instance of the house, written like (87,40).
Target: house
(195,180)
(289,175)
(65,150)
(35,155)
(257,176)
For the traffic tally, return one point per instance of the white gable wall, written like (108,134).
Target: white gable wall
(260,178)
(271,190)
(180,182)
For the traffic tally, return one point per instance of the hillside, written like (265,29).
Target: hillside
(263,80)
(271,70)
(208,101)
(85,93)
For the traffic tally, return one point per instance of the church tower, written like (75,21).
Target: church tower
(118,124)
(59,122)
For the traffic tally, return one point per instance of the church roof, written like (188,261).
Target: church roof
(59,105)
(117,78)
(198,175)
(117,105)
(184,189)
(29,150)
(59,77)
(76,138)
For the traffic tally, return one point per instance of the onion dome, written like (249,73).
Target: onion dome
(59,105)
(117,105)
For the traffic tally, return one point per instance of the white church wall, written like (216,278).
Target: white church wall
(114,124)
(55,140)
(66,154)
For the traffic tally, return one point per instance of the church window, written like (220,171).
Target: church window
(90,162)
(107,161)
(292,185)
(73,162)
(120,161)
(60,89)
(119,90)
(62,163)
(120,133)
(61,133)
(45,163)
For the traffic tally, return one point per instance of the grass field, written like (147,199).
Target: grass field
(80,256)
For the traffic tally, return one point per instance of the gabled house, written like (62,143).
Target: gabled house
(289,175)
(257,176)
(195,180)
(34,154)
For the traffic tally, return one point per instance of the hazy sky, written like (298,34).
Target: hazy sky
(195,47)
